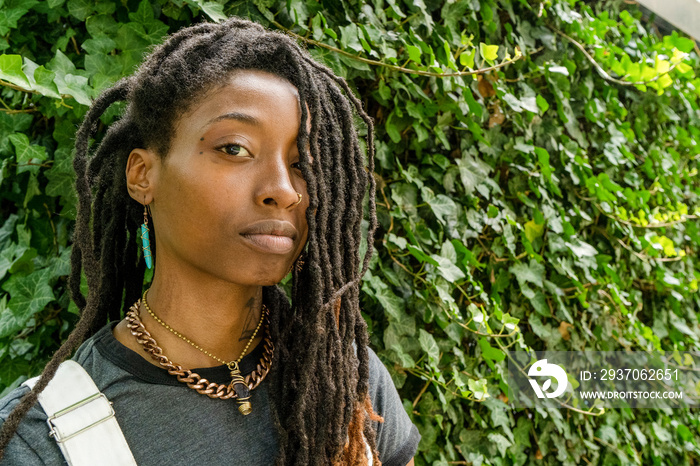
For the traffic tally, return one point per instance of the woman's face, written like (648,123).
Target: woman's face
(224,199)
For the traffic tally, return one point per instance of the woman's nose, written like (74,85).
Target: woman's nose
(277,184)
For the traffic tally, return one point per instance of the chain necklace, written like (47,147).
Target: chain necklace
(237,381)
(175,332)
(239,387)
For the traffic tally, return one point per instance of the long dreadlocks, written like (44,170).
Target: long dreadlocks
(319,381)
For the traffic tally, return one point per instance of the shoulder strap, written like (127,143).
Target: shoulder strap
(81,419)
(368,452)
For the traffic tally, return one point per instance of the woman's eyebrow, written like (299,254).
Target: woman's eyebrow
(245,118)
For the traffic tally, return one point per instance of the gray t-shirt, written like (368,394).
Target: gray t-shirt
(167,423)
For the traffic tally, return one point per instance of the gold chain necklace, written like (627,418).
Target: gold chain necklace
(238,384)
(181,336)
(186,376)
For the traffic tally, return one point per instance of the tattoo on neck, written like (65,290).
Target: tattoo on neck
(254,306)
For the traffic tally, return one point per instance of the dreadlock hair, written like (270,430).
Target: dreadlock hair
(320,377)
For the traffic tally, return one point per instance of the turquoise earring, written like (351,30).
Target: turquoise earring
(144,239)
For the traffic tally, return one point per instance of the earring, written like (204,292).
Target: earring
(144,239)
(300,262)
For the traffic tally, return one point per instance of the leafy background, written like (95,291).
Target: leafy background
(537,179)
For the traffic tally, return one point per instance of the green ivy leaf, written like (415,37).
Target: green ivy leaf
(420,255)
(542,104)
(12,12)
(509,322)
(478,388)
(41,80)
(488,52)
(477,314)
(11,70)
(9,323)
(392,304)
(684,433)
(392,130)
(29,294)
(581,249)
(467,58)
(68,79)
(532,273)
(414,53)
(214,10)
(472,172)
(81,9)
(62,178)
(443,207)
(489,352)
(99,45)
(559,69)
(660,432)
(9,256)
(26,152)
(403,358)
(500,442)
(60,265)
(448,269)
(533,230)
(427,342)
(144,13)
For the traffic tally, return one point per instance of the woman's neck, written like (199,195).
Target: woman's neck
(218,316)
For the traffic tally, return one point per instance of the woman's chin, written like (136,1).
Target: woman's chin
(269,276)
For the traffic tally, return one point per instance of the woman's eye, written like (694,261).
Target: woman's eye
(298,165)
(234,149)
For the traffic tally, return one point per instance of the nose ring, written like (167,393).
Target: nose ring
(297,202)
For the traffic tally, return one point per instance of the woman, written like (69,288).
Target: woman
(236,156)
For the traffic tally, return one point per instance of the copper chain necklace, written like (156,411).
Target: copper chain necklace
(237,389)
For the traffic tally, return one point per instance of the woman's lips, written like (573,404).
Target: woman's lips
(271,244)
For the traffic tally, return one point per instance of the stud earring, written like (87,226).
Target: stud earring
(146,243)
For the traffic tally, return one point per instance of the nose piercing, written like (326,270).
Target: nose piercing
(297,202)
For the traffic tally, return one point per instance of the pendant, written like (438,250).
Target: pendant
(239,386)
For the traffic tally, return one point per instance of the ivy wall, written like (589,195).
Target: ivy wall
(537,169)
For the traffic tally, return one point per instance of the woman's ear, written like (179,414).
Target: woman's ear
(141,175)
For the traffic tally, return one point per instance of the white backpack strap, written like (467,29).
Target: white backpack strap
(81,419)
(368,452)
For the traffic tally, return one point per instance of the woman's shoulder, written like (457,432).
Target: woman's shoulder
(377,369)
(31,444)
(88,350)
(83,355)
(397,436)
(11,400)
(381,384)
